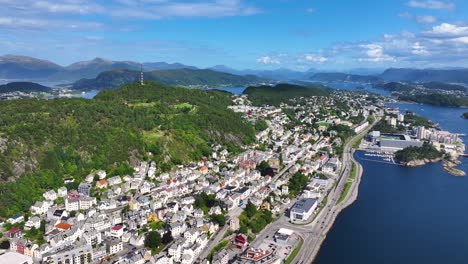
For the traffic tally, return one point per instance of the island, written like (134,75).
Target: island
(23,87)
(416,156)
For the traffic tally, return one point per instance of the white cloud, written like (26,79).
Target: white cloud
(426,19)
(268,60)
(69,7)
(418,49)
(432,4)
(446,30)
(420,19)
(310,10)
(315,58)
(375,53)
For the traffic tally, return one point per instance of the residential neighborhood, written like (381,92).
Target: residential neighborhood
(200,212)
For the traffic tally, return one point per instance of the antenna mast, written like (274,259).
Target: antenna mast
(142,80)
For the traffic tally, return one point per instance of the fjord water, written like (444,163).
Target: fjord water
(405,215)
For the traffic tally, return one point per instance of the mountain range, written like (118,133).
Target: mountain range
(28,68)
(181,77)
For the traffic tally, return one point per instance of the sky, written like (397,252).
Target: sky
(243,34)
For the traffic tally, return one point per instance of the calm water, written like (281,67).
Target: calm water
(405,215)
(233,90)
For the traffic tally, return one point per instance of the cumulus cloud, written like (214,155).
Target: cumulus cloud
(375,53)
(315,58)
(268,60)
(432,4)
(446,30)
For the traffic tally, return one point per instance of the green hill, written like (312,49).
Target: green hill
(281,93)
(344,77)
(25,87)
(44,141)
(436,99)
(180,77)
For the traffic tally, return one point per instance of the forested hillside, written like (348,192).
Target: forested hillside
(44,141)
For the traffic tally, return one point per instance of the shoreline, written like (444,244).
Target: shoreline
(348,201)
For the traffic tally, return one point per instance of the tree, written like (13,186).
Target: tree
(243,229)
(153,240)
(167,238)
(250,209)
(220,219)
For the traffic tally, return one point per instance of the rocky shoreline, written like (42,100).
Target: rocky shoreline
(416,163)
(449,166)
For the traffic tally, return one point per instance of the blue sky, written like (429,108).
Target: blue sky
(259,34)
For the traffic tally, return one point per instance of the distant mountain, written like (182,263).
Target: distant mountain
(25,87)
(278,74)
(343,77)
(167,66)
(91,68)
(408,87)
(426,75)
(181,77)
(22,67)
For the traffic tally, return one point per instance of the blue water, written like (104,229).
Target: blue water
(405,215)
(233,90)
(352,86)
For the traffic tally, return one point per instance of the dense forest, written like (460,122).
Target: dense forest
(436,99)
(183,77)
(281,93)
(408,87)
(426,151)
(44,141)
(25,87)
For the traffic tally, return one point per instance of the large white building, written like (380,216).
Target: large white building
(303,209)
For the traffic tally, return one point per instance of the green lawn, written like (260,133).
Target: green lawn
(345,192)
(353,171)
(293,254)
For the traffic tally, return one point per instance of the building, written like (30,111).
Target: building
(84,188)
(75,255)
(303,209)
(114,246)
(15,258)
(283,235)
(395,145)
(420,132)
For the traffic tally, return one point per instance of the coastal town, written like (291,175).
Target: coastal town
(271,202)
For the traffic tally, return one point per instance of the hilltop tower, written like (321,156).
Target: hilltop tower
(142,79)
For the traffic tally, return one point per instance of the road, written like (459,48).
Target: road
(231,214)
(314,233)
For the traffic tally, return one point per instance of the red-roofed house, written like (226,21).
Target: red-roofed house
(102,184)
(240,241)
(14,232)
(117,231)
(63,226)
(204,170)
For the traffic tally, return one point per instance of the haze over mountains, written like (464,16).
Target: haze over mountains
(28,68)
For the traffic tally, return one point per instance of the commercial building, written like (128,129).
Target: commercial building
(303,209)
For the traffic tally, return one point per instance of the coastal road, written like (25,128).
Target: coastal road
(319,227)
